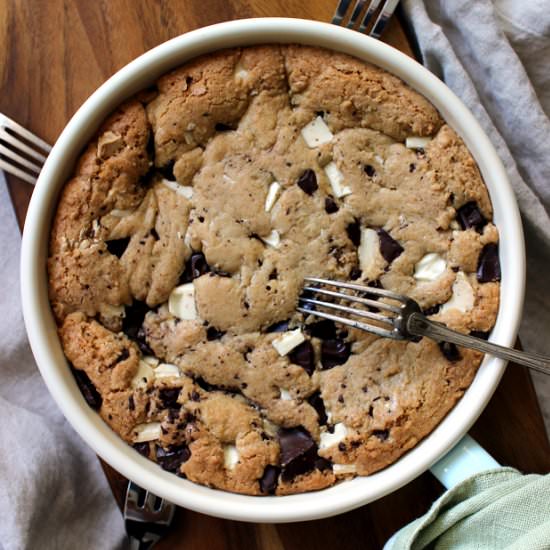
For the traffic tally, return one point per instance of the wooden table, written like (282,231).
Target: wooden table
(58,52)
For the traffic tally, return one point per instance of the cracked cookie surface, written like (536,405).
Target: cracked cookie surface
(180,245)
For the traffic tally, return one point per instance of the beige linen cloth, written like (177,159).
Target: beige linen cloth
(53,494)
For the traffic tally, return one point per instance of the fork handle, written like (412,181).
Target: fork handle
(419,325)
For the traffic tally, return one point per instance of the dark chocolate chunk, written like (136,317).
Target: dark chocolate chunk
(316,401)
(389,247)
(281,326)
(221,127)
(470,216)
(142,342)
(369,170)
(133,319)
(307,182)
(142,448)
(431,310)
(381,434)
(198,265)
(354,233)
(334,352)
(173,457)
(87,389)
(298,452)
(304,356)
(167,171)
(488,267)
(117,247)
(322,464)
(169,397)
(213,333)
(269,479)
(450,351)
(324,330)
(330,205)
(195,267)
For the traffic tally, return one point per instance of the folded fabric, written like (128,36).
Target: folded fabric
(498,509)
(495,55)
(53,494)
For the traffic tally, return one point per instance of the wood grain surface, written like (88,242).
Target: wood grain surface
(55,53)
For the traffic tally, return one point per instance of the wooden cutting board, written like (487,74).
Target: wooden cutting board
(55,54)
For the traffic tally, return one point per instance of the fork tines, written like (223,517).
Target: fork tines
(383,17)
(21,152)
(385,324)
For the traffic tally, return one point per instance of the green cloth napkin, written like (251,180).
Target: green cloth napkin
(497,509)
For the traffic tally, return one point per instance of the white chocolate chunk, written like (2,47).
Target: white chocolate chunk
(181,302)
(285,395)
(371,260)
(167,370)
(146,432)
(463,295)
(344,468)
(288,341)
(150,360)
(240,73)
(230,456)
(417,142)
(117,213)
(272,195)
(328,439)
(430,267)
(336,179)
(143,375)
(183,190)
(316,133)
(268,427)
(272,239)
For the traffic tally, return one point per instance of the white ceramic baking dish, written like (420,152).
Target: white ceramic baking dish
(42,331)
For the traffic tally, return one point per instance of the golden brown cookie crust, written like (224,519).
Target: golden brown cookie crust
(186,169)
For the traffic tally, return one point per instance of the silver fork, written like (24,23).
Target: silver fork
(147,517)
(21,152)
(380,24)
(399,317)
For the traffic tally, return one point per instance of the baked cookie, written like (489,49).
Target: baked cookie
(180,245)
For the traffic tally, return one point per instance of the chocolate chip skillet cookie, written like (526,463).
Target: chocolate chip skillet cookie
(179,248)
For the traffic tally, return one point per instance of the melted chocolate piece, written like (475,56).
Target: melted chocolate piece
(324,330)
(307,182)
(369,170)
(87,389)
(269,479)
(142,448)
(169,397)
(316,401)
(334,352)
(117,247)
(304,356)
(450,351)
(389,247)
(330,205)
(173,457)
(167,171)
(431,310)
(135,314)
(470,216)
(281,326)
(298,452)
(488,267)
(354,233)
(382,435)
(213,333)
